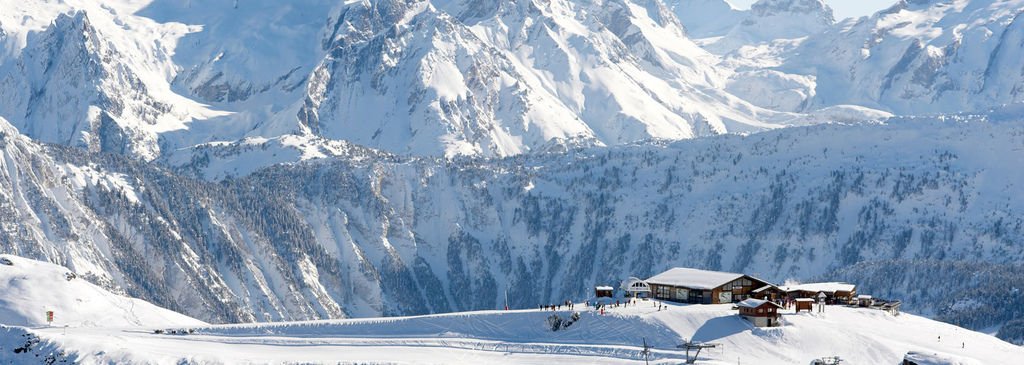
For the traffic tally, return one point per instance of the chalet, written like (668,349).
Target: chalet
(865,301)
(804,304)
(604,292)
(835,293)
(761,313)
(768,292)
(695,286)
(892,307)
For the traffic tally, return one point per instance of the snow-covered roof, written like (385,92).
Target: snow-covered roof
(693,278)
(602,287)
(763,288)
(821,287)
(754,303)
(863,296)
(804,299)
(635,285)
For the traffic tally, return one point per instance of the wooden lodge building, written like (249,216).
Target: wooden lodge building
(804,304)
(835,293)
(769,292)
(761,313)
(695,286)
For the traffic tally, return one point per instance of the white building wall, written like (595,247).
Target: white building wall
(761,321)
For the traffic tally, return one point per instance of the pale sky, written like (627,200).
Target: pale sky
(843,8)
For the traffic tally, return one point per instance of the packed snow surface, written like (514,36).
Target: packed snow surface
(859,336)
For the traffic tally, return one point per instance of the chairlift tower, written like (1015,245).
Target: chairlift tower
(646,352)
(693,345)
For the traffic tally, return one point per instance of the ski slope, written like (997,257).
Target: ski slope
(29,288)
(860,336)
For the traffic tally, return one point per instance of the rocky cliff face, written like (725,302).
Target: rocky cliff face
(69,86)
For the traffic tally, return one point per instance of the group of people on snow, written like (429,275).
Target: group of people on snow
(568,304)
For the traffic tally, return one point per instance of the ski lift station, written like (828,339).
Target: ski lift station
(635,288)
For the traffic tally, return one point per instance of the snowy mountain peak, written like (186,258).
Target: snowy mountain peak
(813,8)
(921,57)
(71,85)
(706,18)
(428,77)
(495,79)
(768,23)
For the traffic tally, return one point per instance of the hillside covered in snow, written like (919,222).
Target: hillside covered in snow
(858,336)
(32,288)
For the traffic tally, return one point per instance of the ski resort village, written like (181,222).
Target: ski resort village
(681,316)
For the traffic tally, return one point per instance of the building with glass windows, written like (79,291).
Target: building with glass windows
(684,285)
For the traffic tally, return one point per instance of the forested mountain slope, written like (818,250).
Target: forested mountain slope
(349,236)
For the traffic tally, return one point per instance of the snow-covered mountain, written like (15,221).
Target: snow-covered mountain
(83,75)
(269,160)
(752,43)
(920,57)
(367,233)
(496,78)
(437,78)
(482,78)
(916,57)
(706,18)
(769,21)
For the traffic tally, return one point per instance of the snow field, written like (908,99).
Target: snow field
(860,336)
